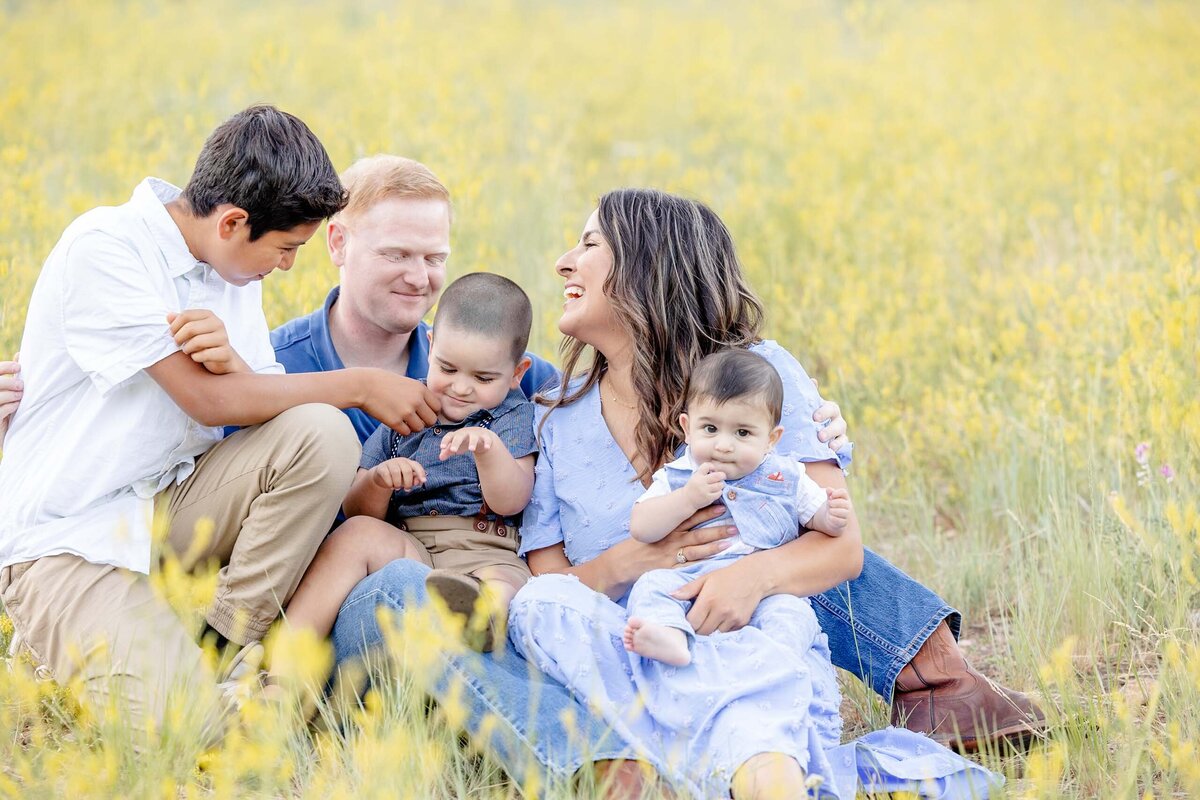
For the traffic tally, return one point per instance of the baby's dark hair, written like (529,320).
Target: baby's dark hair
(269,164)
(487,304)
(737,374)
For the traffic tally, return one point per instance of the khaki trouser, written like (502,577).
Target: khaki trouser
(272,492)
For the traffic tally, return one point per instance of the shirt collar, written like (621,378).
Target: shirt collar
(684,461)
(513,399)
(149,200)
(327,355)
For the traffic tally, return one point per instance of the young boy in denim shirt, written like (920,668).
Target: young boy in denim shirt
(450,495)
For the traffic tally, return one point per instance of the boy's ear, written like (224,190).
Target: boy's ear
(773,436)
(335,240)
(522,367)
(230,220)
(683,423)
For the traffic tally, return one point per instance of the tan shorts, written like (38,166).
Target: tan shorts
(467,544)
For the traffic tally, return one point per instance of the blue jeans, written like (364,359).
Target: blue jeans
(875,624)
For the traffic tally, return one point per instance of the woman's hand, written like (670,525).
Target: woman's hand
(834,433)
(723,600)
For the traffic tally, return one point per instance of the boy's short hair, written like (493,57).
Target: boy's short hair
(487,304)
(269,164)
(381,177)
(737,374)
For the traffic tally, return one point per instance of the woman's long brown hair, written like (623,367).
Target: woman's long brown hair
(677,286)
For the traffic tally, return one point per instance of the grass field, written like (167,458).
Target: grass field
(976,223)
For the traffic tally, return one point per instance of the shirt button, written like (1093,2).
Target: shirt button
(437,430)
(732,495)
(433,512)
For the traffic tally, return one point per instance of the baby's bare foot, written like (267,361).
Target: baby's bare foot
(650,640)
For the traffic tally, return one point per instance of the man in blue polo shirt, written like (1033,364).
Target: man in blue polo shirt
(391,243)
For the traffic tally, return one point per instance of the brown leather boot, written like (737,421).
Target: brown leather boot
(939,694)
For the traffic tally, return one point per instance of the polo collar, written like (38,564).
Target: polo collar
(149,200)
(327,355)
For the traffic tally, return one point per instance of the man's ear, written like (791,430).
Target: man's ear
(230,221)
(335,240)
(522,367)
(773,436)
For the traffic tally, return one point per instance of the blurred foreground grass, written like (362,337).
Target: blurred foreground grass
(976,223)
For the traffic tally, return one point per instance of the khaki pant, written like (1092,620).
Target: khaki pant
(272,492)
(467,544)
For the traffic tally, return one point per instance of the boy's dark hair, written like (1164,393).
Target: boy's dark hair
(269,164)
(488,304)
(737,374)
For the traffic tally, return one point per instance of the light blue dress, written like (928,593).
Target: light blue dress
(769,687)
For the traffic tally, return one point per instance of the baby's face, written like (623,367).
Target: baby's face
(468,371)
(734,436)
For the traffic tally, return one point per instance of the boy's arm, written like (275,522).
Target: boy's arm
(833,516)
(654,517)
(402,404)
(366,498)
(506,482)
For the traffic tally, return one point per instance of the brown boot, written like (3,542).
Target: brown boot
(939,694)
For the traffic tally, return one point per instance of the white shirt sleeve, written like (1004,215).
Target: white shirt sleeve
(809,497)
(114,311)
(659,486)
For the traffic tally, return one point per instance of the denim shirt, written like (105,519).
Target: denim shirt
(767,506)
(452,486)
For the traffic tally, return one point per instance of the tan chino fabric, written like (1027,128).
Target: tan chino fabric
(466,544)
(271,491)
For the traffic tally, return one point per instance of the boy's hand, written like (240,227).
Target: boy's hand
(11,390)
(469,440)
(705,485)
(403,404)
(840,508)
(398,473)
(201,335)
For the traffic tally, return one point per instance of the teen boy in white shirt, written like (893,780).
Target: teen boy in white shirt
(131,353)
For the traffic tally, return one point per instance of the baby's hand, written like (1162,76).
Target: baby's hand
(468,440)
(398,473)
(704,487)
(201,335)
(840,508)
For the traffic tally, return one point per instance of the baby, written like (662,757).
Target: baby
(448,495)
(734,404)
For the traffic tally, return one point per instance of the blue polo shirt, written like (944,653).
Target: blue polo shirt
(305,345)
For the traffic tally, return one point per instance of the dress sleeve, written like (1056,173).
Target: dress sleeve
(515,429)
(800,400)
(114,312)
(376,449)
(540,525)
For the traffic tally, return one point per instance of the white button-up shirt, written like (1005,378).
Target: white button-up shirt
(95,438)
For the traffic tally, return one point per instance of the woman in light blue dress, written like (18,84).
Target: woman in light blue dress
(652,286)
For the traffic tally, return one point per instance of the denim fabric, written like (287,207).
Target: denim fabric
(531,711)
(451,487)
(878,621)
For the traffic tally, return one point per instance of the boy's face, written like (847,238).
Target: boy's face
(735,436)
(469,371)
(241,261)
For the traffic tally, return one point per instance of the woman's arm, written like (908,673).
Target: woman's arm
(614,571)
(814,563)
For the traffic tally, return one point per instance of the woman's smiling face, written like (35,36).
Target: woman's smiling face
(587,310)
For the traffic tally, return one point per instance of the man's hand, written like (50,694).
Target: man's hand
(11,390)
(401,403)
(833,434)
(398,473)
(468,440)
(704,487)
(723,600)
(840,509)
(201,335)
